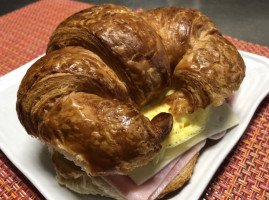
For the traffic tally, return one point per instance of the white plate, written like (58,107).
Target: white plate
(32,158)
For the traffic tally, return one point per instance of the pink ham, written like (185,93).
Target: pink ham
(230,99)
(154,186)
(218,135)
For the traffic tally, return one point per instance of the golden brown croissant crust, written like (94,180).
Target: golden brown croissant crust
(103,63)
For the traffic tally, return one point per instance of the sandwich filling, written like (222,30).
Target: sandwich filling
(186,139)
(185,126)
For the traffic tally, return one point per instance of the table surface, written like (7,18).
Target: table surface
(246,20)
(243,174)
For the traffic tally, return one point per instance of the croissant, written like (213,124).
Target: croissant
(83,98)
(205,66)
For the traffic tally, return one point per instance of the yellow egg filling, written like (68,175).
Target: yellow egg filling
(185,126)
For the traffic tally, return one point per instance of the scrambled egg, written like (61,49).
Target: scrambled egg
(185,126)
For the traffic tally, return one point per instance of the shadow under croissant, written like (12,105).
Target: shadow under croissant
(45,160)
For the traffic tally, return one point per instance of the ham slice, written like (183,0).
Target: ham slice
(230,99)
(154,186)
(218,135)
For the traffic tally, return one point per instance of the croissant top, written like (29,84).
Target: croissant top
(103,63)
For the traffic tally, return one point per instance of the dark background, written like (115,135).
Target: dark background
(247,20)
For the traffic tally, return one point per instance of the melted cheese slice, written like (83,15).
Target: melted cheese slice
(221,118)
(185,126)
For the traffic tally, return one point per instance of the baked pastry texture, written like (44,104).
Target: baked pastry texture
(205,66)
(104,63)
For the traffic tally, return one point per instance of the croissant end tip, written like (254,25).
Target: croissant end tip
(163,124)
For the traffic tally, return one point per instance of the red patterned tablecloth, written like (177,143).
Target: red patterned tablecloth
(24,34)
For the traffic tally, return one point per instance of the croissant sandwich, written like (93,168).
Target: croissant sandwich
(125,101)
